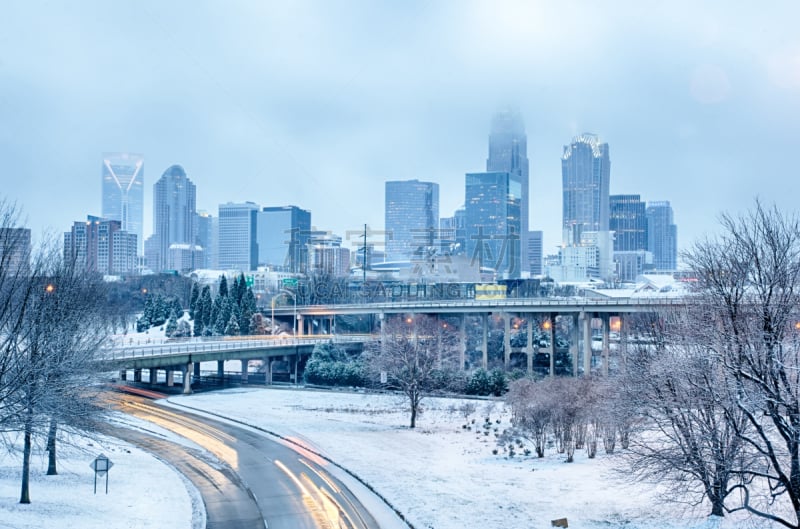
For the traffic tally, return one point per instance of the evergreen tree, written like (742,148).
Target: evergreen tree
(232,328)
(195,296)
(206,307)
(183,329)
(159,311)
(172,324)
(240,289)
(246,310)
(177,307)
(223,286)
(218,320)
(148,309)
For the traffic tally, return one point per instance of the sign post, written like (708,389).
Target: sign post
(101,465)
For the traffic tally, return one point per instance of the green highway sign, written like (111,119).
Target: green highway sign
(289,282)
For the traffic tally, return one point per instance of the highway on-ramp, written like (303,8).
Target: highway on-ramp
(252,481)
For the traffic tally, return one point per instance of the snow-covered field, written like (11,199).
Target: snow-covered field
(443,476)
(142,491)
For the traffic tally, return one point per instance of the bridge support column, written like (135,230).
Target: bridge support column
(268,371)
(587,344)
(506,340)
(220,369)
(462,342)
(186,371)
(485,341)
(123,374)
(605,318)
(298,324)
(153,375)
(551,348)
(137,375)
(170,378)
(296,364)
(529,343)
(245,363)
(573,345)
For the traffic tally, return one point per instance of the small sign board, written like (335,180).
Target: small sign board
(289,282)
(101,465)
(384,377)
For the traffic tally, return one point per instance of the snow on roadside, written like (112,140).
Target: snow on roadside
(142,491)
(444,476)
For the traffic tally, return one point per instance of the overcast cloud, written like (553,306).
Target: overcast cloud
(318,103)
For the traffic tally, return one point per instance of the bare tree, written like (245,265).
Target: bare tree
(532,410)
(689,433)
(52,322)
(414,355)
(749,278)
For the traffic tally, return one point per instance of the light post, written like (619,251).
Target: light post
(294,298)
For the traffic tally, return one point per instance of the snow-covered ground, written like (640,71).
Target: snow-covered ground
(142,491)
(443,476)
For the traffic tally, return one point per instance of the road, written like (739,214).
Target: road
(255,482)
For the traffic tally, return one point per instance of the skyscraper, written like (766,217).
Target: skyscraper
(586,175)
(535,251)
(508,152)
(628,221)
(492,212)
(238,248)
(412,218)
(207,228)
(123,191)
(662,235)
(282,235)
(174,217)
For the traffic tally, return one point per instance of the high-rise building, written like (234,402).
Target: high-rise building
(174,216)
(535,252)
(282,235)
(15,250)
(207,228)
(628,221)
(662,235)
(508,152)
(123,192)
(412,218)
(102,246)
(586,175)
(492,215)
(238,248)
(326,254)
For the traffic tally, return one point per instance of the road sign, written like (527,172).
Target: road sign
(249,280)
(101,465)
(289,282)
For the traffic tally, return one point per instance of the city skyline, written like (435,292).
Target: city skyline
(253,111)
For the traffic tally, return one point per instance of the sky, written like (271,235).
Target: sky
(317,103)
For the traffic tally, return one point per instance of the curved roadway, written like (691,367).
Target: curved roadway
(256,482)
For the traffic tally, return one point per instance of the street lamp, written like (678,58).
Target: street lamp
(294,298)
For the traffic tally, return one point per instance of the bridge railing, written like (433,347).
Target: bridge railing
(120,352)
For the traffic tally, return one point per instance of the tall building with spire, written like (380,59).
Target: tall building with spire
(586,175)
(123,191)
(508,152)
(174,222)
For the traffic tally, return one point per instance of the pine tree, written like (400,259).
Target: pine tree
(246,310)
(206,307)
(177,307)
(232,328)
(172,324)
(223,286)
(195,296)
